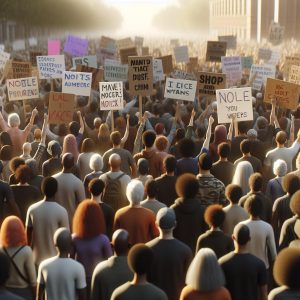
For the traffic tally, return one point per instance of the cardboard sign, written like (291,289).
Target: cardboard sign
(76,46)
(77,83)
(236,102)
(33,42)
(61,108)
(247,62)
(126,52)
(21,69)
(181,54)
(180,89)
(145,51)
(125,43)
(276,33)
(97,75)
(111,95)
(288,63)
(264,54)
(51,66)
(174,43)
(285,93)
(19,45)
(167,62)
(107,42)
(275,57)
(215,50)
(158,72)
(192,65)
(232,67)
(53,47)
(2,47)
(114,71)
(90,61)
(4,57)
(105,53)
(208,83)
(22,88)
(139,41)
(262,73)
(229,39)
(140,75)
(294,76)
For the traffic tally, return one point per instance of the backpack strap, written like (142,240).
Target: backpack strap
(120,176)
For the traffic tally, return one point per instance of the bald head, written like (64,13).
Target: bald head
(63,240)
(120,242)
(26,148)
(115,162)
(68,161)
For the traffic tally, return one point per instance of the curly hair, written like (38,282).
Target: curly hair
(187,186)
(214,215)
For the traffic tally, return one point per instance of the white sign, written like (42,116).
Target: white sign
(4,57)
(77,83)
(180,89)
(2,47)
(51,66)
(139,41)
(111,95)
(90,61)
(181,54)
(275,57)
(236,102)
(115,71)
(262,73)
(22,88)
(19,45)
(32,42)
(158,72)
(232,67)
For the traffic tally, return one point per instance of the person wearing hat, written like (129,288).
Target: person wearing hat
(171,257)
(245,274)
(53,165)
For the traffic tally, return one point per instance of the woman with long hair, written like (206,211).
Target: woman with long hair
(13,241)
(241,175)
(104,142)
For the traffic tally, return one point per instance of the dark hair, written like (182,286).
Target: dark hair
(170,163)
(49,186)
(233,193)
(186,147)
(115,138)
(256,182)
(88,145)
(291,183)
(224,150)
(254,205)
(23,174)
(62,130)
(149,138)
(143,166)
(6,153)
(187,186)
(205,162)
(93,106)
(96,186)
(180,134)
(5,139)
(133,121)
(200,132)
(140,259)
(243,127)
(151,188)
(5,268)
(74,128)
(15,163)
(214,215)
(68,160)
(245,146)
(242,234)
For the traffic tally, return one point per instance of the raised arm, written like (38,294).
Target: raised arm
(292,131)
(273,117)
(126,134)
(42,145)
(138,138)
(31,121)
(81,130)
(3,123)
(208,134)
(190,130)
(230,130)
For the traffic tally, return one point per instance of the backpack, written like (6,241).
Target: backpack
(113,194)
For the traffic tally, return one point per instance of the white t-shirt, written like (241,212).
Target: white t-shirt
(61,277)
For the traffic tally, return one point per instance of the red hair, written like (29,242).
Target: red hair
(88,221)
(12,233)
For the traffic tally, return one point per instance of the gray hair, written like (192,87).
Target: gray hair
(96,162)
(135,191)
(280,167)
(205,273)
(13,120)
(33,165)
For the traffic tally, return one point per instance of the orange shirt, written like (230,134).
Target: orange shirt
(189,293)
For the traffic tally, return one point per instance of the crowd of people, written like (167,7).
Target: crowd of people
(162,203)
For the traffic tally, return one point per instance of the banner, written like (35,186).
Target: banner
(53,47)
(180,89)
(262,73)
(285,93)
(107,42)
(236,101)
(76,46)
(158,72)
(19,45)
(230,41)
(215,50)
(51,66)
(275,57)
(77,83)
(247,62)
(181,54)
(294,76)
(111,95)
(4,57)
(208,83)
(97,75)
(114,71)
(90,61)
(232,67)
(105,53)
(20,69)
(126,52)
(61,108)
(179,74)
(140,75)
(167,62)
(23,88)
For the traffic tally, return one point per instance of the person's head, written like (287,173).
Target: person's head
(135,192)
(256,181)
(54,149)
(224,150)
(37,134)
(26,148)
(143,166)
(63,240)
(252,134)
(245,146)
(15,163)
(187,186)
(200,132)
(254,206)
(241,234)
(286,268)
(13,120)
(186,147)
(295,203)
(120,242)
(291,184)
(70,146)
(233,193)
(242,127)
(161,143)
(115,138)
(220,134)
(148,138)
(97,123)
(33,165)
(140,258)
(281,137)
(204,273)
(5,269)
(279,168)
(88,145)
(114,161)
(261,122)
(151,188)
(96,162)
(159,128)
(68,161)
(6,153)
(12,233)
(214,216)
(205,162)
(96,187)
(166,219)
(62,130)
(242,174)
(103,133)
(23,174)
(5,139)
(170,163)
(179,135)
(74,128)
(49,187)
(88,220)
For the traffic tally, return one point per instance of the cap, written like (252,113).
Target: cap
(54,148)
(166,218)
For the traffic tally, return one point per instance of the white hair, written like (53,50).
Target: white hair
(135,191)
(13,120)
(114,156)
(280,168)
(96,162)
(205,273)
(241,175)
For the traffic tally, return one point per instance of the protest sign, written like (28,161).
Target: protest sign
(107,42)
(247,62)
(4,57)
(19,45)
(90,61)
(208,83)
(61,108)
(105,53)
(229,39)
(97,75)
(294,76)
(33,42)
(125,43)
(181,54)
(111,95)
(276,33)
(33,55)
(167,62)
(275,57)
(2,47)
(51,66)
(262,73)
(76,46)
(285,93)
(215,50)
(158,72)
(145,51)
(114,71)
(179,74)
(20,69)
(139,41)
(288,63)
(77,83)
(264,54)
(22,88)
(232,67)
(180,89)
(174,43)
(125,53)
(237,101)
(53,47)
(140,75)
(192,65)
